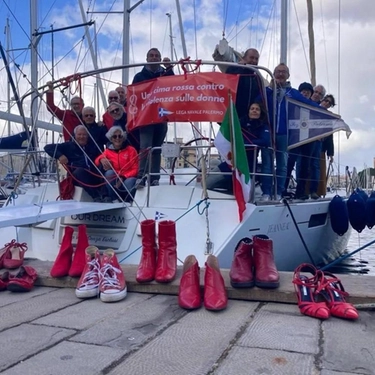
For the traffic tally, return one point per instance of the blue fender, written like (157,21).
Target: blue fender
(338,212)
(357,211)
(370,211)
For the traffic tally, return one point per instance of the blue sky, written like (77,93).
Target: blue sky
(344,56)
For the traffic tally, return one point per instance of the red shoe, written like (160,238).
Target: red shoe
(79,257)
(88,284)
(334,293)
(307,290)
(24,280)
(16,253)
(63,260)
(112,285)
(4,253)
(147,264)
(189,293)
(241,271)
(166,265)
(4,280)
(215,296)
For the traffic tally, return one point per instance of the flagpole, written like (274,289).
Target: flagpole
(232,137)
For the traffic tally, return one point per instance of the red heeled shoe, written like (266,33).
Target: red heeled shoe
(334,293)
(15,255)
(4,253)
(307,291)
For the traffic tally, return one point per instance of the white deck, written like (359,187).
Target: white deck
(32,213)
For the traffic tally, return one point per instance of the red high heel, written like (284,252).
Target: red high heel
(4,253)
(333,291)
(15,255)
(307,292)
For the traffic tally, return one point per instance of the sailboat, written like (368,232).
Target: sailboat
(206,222)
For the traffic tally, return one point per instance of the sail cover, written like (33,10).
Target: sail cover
(15,142)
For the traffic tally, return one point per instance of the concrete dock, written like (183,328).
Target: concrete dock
(50,331)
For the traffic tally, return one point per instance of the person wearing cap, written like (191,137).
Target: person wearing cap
(120,164)
(306,89)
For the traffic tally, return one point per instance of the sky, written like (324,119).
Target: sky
(344,32)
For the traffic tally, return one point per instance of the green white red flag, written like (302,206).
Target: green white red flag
(229,142)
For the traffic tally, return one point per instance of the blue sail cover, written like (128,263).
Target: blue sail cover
(307,123)
(15,142)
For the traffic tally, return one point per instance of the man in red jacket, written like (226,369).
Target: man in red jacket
(70,118)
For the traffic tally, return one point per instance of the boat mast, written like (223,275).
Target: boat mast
(34,59)
(284,31)
(183,42)
(7,32)
(310,26)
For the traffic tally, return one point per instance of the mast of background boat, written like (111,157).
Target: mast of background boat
(310,28)
(93,56)
(284,31)
(7,31)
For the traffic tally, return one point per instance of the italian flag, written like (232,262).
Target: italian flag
(229,142)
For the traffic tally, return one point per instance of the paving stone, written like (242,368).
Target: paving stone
(25,340)
(8,298)
(68,358)
(28,309)
(280,331)
(192,345)
(89,312)
(329,372)
(255,361)
(349,346)
(130,328)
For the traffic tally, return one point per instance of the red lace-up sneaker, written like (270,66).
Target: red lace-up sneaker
(112,284)
(88,284)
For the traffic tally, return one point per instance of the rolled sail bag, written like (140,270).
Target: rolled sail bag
(370,211)
(338,212)
(357,211)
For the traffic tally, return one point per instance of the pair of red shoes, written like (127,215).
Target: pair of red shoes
(67,263)
(322,294)
(253,264)
(214,296)
(23,281)
(158,263)
(12,255)
(102,276)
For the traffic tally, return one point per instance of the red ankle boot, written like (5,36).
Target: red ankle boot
(266,275)
(215,295)
(166,265)
(189,293)
(241,271)
(79,259)
(147,264)
(63,260)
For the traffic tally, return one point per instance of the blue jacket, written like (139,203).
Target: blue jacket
(255,132)
(281,117)
(146,74)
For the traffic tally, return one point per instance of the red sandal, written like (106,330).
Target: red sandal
(334,293)
(307,292)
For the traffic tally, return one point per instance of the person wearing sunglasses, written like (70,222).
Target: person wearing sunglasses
(113,97)
(97,138)
(327,149)
(69,118)
(120,164)
(151,135)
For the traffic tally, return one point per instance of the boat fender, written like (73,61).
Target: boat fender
(357,211)
(370,211)
(362,193)
(338,212)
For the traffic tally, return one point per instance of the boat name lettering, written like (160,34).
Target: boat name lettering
(99,217)
(101,239)
(273,228)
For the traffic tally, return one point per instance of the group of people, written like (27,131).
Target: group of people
(103,157)
(106,154)
(268,133)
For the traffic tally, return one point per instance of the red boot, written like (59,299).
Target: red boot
(215,295)
(79,259)
(166,265)
(241,271)
(63,260)
(147,264)
(189,293)
(266,275)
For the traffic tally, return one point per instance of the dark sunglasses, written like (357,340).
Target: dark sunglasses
(115,111)
(328,101)
(89,115)
(112,97)
(117,136)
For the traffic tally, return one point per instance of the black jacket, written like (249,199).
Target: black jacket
(146,74)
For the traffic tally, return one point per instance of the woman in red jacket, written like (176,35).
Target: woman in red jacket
(120,163)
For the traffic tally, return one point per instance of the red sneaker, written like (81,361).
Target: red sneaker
(112,284)
(88,284)
(23,281)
